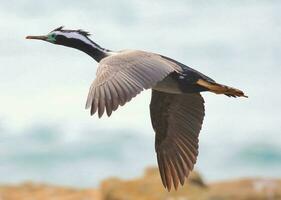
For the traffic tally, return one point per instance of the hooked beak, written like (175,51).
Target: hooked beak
(43,37)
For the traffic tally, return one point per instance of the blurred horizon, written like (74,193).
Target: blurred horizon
(48,136)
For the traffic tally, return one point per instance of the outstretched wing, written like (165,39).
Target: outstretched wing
(122,76)
(177,121)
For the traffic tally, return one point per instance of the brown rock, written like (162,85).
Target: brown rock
(149,187)
(246,189)
(29,191)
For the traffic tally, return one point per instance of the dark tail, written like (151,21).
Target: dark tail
(221,89)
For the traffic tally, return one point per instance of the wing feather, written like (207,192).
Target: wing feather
(177,125)
(101,101)
(122,76)
(114,94)
(161,169)
(95,102)
(108,99)
(121,91)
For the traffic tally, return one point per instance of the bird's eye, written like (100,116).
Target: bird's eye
(51,37)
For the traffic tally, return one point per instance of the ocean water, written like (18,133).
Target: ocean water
(46,135)
(49,155)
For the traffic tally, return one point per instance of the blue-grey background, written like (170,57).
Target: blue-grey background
(47,136)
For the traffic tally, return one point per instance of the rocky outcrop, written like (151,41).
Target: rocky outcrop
(31,191)
(149,187)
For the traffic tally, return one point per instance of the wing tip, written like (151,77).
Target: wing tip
(87,107)
(170,176)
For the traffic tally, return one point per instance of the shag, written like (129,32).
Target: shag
(176,107)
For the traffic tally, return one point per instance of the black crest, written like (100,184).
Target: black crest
(80,31)
(58,29)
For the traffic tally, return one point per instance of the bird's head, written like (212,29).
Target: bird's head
(77,39)
(63,37)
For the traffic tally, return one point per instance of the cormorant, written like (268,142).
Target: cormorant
(176,107)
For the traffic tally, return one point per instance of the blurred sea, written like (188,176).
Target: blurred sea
(46,136)
(48,154)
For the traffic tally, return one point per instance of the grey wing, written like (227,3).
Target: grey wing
(177,121)
(122,76)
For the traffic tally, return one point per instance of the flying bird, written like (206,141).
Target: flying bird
(176,107)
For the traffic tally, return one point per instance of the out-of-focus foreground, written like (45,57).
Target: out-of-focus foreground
(149,187)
